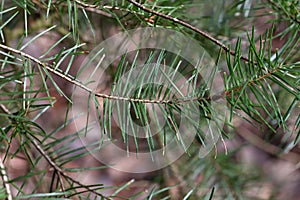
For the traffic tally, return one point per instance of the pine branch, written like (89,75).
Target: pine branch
(95,9)
(142,100)
(189,26)
(61,171)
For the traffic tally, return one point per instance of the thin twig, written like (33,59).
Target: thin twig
(4,109)
(93,8)
(5,180)
(189,26)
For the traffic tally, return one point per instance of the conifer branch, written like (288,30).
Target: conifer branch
(61,171)
(189,26)
(136,100)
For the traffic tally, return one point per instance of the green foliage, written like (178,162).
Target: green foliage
(261,77)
